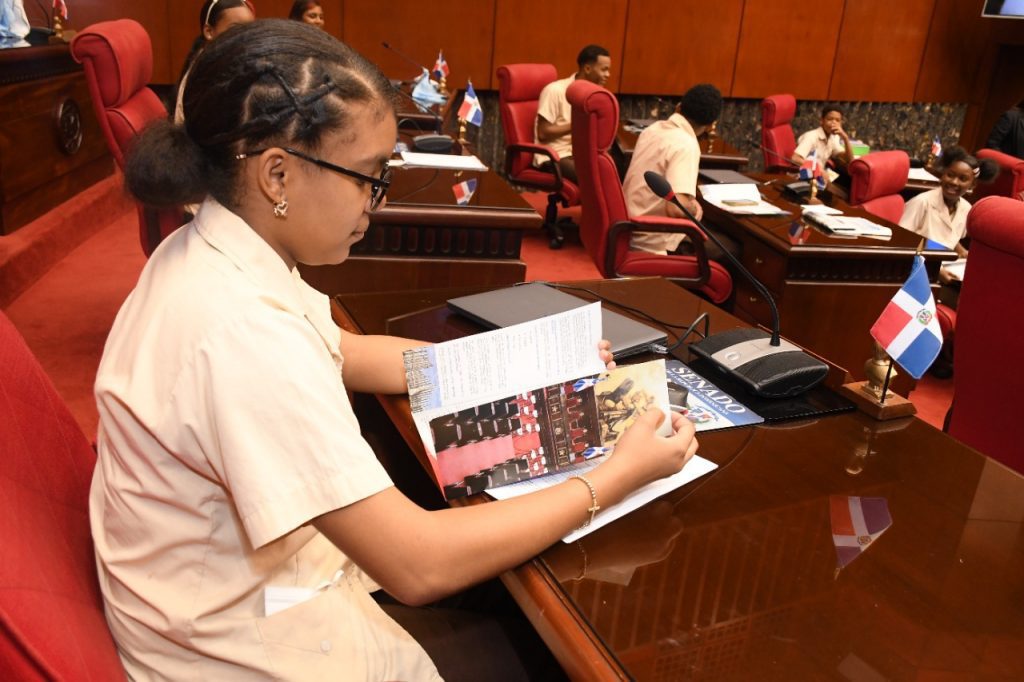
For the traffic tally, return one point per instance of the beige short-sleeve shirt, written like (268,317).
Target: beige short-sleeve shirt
(553,107)
(225,429)
(927,215)
(668,147)
(816,140)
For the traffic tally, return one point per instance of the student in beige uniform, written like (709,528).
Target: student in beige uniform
(941,214)
(240,519)
(670,148)
(554,115)
(828,140)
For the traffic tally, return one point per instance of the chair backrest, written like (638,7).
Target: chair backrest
(51,612)
(117,58)
(777,140)
(1010,181)
(595,122)
(519,87)
(987,400)
(876,181)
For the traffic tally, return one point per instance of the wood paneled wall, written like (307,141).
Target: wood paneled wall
(869,50)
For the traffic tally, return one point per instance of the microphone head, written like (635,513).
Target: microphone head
(658,184)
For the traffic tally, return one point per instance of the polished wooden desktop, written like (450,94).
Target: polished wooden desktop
(423,238)
(716,153)
(734,575)
(829,289)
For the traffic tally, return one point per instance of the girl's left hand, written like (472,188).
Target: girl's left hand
(604,350)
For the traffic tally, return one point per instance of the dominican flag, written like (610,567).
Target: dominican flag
(908,329)
(811,169)
(60,9)
(470,111)
(856,523)
(440,66)
(464,191)
(936,147)
(584,384)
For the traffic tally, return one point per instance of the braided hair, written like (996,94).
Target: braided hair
(272,82)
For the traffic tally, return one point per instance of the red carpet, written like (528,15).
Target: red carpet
(66,314)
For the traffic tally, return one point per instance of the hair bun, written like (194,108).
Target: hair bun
(165,167)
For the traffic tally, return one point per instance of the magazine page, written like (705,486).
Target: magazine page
(524,401)
(542,430)
(703,403)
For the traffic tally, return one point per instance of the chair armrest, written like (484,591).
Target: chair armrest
(659,224)
(518,147)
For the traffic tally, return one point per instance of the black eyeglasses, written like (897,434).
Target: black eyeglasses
(378,186)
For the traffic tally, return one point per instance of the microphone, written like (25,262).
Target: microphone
(419,67)
(765,364)
(432,143)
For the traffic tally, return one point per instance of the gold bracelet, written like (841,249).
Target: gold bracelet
(583,572)
(594,507)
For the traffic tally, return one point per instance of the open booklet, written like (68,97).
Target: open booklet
(527,401)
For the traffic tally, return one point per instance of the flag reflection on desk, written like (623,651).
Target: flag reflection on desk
(856,523)
(464,191)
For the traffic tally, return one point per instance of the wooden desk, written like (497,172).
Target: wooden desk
(734,576)
(721,155)
(422,238)
(829,290)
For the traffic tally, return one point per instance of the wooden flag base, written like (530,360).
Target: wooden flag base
(895,406)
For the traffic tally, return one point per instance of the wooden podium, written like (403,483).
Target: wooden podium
(51,146)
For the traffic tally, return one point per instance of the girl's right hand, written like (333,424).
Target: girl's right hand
(643,456)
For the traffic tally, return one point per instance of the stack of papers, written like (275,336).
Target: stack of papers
(956,268)
(444,161)
(742,199)
(849,226)
(921,175)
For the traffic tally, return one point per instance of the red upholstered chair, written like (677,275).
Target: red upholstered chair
(605,227)
(1009,183)
(519,87)
(118,61)
(51,612)
(777,140)
(876,181)
(987,398)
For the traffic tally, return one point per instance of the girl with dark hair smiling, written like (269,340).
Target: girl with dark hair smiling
(241,521)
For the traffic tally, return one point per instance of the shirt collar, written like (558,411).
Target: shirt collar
(226,232)
(680,121)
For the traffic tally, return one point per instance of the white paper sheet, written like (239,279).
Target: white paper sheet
(727,195)
(921,175)
(956,269)
(475,369)
(820,209)
(694,469)
(444,161)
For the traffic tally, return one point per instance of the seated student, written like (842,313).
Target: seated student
(829,140)
(231,475)
(215,17)
(308,11)
(554,115)
(671,148)
(1007,134)
(940,214)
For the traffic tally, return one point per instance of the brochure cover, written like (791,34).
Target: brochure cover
(703,403)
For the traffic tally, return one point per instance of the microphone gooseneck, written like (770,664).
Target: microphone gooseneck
(661,187)
(790,162)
